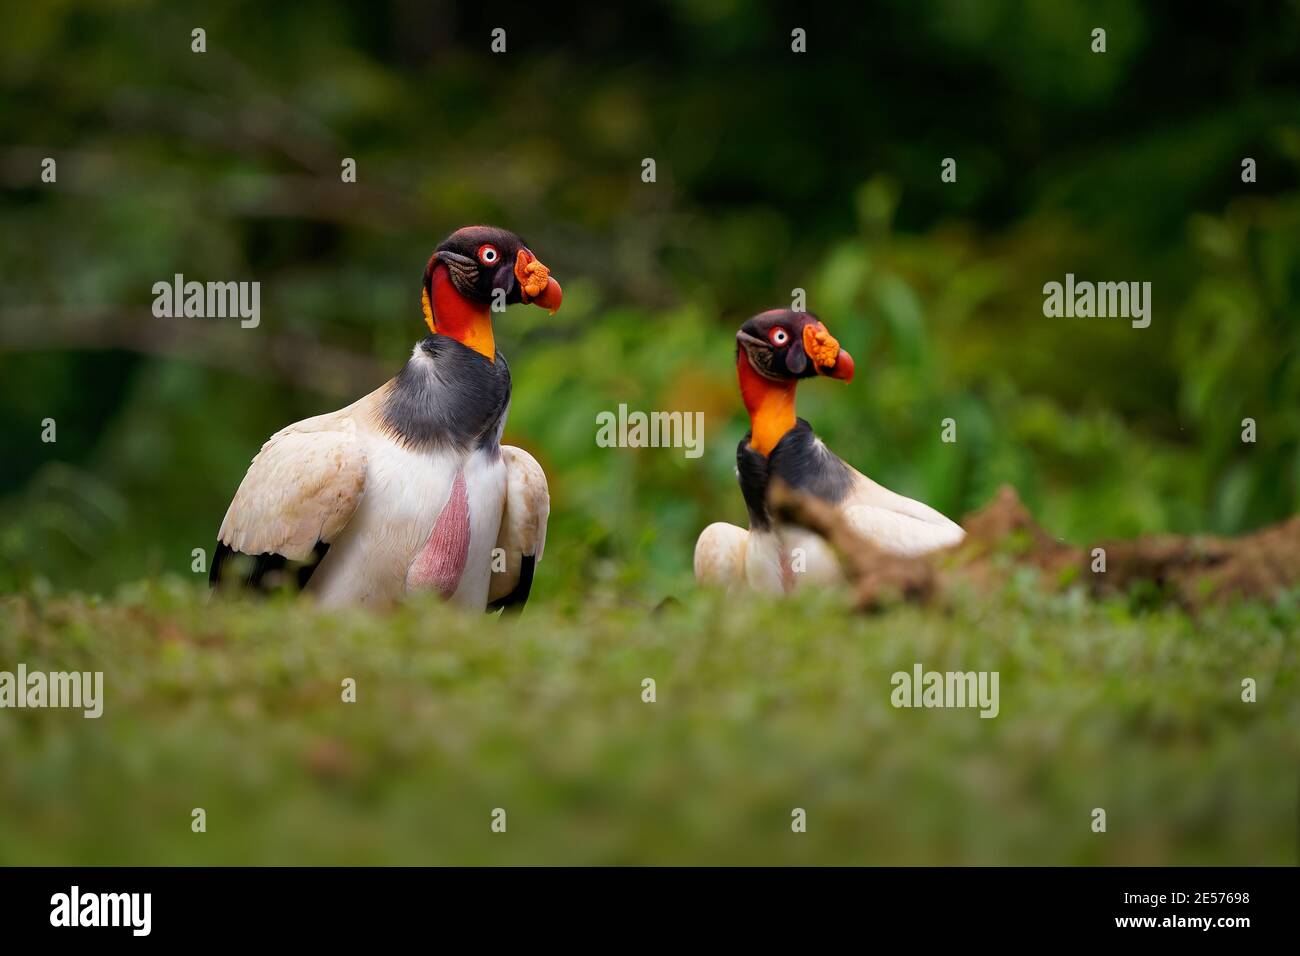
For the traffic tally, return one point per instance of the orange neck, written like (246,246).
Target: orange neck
(770,406)
(453,315)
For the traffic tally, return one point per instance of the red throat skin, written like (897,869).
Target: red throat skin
(770,405)
(469,323)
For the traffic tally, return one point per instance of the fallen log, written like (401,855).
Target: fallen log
(1002,537)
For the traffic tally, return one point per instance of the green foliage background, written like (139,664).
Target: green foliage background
(775,171)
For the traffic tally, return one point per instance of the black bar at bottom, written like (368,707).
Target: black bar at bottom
(334,906)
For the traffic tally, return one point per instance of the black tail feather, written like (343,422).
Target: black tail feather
(514,602)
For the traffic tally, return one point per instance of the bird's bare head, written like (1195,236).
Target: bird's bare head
(480,260)
(783,345)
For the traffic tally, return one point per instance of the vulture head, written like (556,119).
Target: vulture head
(476,261)
(781,345)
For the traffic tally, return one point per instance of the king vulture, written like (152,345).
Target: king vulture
(408,488)
(774,350)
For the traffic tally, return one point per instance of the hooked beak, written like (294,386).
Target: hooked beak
(827,356)
(535,283)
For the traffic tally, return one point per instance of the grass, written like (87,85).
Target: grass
(761,708)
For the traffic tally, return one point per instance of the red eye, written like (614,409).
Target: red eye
(488,255)
(780,337)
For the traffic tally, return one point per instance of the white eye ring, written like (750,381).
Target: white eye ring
(780,337)
(488,255)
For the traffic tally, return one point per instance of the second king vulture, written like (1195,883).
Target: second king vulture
(409,488)
(774,351)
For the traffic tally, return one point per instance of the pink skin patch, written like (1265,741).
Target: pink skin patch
(441,561)
(787,571)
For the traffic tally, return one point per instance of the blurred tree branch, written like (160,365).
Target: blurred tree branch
(223,345)
(320,198)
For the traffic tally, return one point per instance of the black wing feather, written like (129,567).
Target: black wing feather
(233,570)
(514,602)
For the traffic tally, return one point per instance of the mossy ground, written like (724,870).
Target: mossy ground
(761,708)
